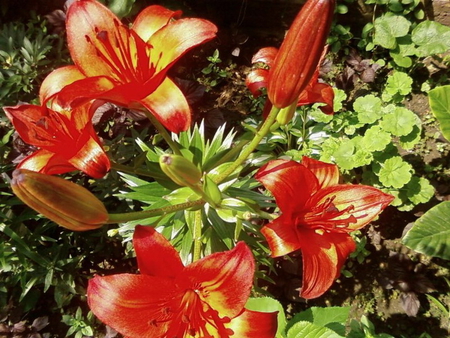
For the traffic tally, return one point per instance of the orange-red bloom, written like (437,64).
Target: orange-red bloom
(314,92)
(66,139)
(317,216)
(300,52)
(168,299)
(127,66)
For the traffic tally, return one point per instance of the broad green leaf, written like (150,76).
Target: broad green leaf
(395,172)
(267,304)
(310,330)
(414,137)
(350,154)
(376,139)
(388,28)
(398,83)
(368,108)
(333,317)
(419,190)
(399,122)
(430,234)
(440,106)
(431,38)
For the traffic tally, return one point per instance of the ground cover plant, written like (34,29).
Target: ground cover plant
(166,175)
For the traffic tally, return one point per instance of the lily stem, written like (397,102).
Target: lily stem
(260,133)
(197,234)
(163,132)
(137,215)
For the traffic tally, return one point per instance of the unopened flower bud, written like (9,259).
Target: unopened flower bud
(212,191)
(286,114)
(300,52)
(64,202)
(180,170)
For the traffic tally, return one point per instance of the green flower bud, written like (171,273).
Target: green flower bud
(212,191)
(180,170)
(64,202)
(286,114)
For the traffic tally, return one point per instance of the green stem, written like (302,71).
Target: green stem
(304,113)
(260,133)
(197,234)
(137,215)
(164,133)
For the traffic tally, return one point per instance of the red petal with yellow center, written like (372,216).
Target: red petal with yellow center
(46,162)
(291,183)
(252,324)
(154,253)
(151,19)
(281,235)
(223,280)
(85,23)
(175,113)
(57,80)
(323,257)
(178,37)
(137,306)
(326,173)
(364,202)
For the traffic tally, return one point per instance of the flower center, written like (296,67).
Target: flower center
(124,52)
(193,317)
(326,217)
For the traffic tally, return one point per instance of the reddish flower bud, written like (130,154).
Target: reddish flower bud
(64,202)
(300,52)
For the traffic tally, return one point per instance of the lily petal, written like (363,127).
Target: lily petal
(155,255)
(265,55)
(255,80)
(290,183)
(57,80)
(366,202)
(174,114)
(252,324)
(326,173)
(131,304)
(323,257)
(224,279)
(46,162)
(170,43)
(152,19)
(281,236)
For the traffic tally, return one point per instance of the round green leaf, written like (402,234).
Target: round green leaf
(431,38)
(375,139)
(430,234)
(368,108)
(310,330)
(395,172)
(399,122)
(388,28)
(440,106)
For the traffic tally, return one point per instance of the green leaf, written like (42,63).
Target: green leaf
(399,122)
(121,7)
(395,172)
(419,190)
(376,139)
(440,106)
(368,108)
(430,234)
(310,330)
(267,304)
(398,83)
(388,28)
(431,38)
(332,317)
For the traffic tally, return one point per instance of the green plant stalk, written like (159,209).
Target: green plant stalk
(197,234)
(137,215)
(260,133)
(164,133)
(304,113)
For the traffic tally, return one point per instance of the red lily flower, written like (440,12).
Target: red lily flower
(299,54)
(168,299)
(127,66)
(67,139)
(314,92)
(317,216)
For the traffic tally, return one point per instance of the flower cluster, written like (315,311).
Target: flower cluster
(128,66)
